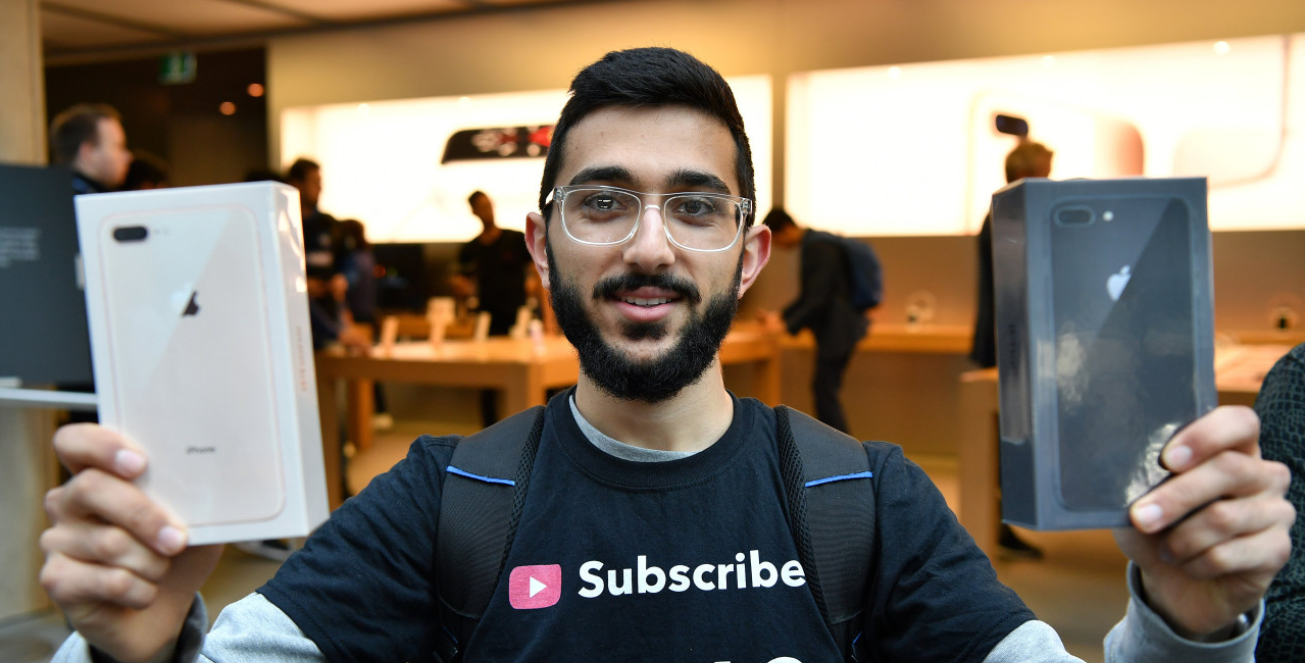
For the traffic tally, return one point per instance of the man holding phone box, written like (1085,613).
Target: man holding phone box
(657,525)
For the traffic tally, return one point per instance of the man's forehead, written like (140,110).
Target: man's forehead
(650,147)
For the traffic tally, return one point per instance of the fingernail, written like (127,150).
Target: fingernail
(171,540)
(127,461)
(1178,457)
(1147,516)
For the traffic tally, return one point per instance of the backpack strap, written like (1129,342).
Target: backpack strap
(831,511)
(484,491)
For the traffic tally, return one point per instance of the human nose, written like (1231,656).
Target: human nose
(650,248)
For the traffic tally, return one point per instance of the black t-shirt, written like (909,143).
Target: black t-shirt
(686,560)
(499,269)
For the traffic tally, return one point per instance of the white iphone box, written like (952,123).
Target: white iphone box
(202,352)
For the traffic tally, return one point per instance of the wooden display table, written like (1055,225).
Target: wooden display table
(522,371)
(943,339)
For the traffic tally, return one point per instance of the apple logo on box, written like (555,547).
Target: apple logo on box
(184,301)
(1117,282)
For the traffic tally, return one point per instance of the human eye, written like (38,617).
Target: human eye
(600,205)
(698,209)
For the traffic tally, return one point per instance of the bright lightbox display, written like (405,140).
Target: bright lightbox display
(405,167)
(912,149)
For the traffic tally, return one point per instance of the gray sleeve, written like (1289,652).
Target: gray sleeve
(1141,636)
(76,650)
(251,629)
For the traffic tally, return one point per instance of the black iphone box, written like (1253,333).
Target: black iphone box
(1105,334)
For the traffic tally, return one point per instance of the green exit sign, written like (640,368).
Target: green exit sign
(177,68)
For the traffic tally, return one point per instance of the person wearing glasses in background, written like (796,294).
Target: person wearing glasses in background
(646,239)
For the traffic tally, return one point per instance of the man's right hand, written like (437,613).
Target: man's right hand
(115,561)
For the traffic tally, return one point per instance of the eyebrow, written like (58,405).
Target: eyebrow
(603,174)
(698,179)
(682,178)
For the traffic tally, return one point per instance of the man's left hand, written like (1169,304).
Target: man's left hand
(1210,539)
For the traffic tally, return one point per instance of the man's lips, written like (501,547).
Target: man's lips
(647,290)
(644,305)
(646,297)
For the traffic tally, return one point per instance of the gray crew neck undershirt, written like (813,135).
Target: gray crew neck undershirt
(620,449)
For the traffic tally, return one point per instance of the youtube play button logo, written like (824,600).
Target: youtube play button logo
(538,586)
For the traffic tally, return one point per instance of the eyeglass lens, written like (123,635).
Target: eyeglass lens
(695,221)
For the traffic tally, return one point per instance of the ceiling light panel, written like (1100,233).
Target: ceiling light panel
(352,10)
(62,31)
(190,18)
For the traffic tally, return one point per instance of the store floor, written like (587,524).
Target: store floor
(1078,587)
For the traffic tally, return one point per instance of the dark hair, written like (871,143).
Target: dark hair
(300,168)
(145,168)
(352,235)
(471,200)
(777,219)
(1028,159)
(77,125)
(649,77)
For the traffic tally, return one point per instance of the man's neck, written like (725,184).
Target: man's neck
(692,420)
(489,235)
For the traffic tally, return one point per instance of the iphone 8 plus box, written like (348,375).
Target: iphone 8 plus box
(203,353)
(1105,341)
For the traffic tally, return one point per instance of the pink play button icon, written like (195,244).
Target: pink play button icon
(538,586)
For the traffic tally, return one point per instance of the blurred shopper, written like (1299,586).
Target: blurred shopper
(1281,406)
(319,227)
(146,172)
(496,261)
(327,288)
(358,266)
(824,305)
(1028,159)
(89,139)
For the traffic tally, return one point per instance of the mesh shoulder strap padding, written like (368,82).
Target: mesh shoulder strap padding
(831,498)
(484,491)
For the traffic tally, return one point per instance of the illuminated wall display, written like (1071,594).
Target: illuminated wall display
(913,150)
(406,167)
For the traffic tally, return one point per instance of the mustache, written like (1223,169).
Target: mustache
(608,287)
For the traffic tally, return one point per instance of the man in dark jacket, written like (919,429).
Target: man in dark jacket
(825,307)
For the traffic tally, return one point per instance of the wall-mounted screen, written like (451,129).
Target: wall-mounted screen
(918,149)
(405,167)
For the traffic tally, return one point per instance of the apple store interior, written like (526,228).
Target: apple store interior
(884,121)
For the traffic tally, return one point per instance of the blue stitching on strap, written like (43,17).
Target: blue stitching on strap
(477,477)
(841,477)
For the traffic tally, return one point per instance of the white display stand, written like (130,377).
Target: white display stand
(42,398)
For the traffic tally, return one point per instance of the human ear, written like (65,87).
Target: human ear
(537,243)
(756,253)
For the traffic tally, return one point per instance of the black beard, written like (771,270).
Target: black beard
(660,378)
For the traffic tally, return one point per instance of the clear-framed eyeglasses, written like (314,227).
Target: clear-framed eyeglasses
(606,216)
